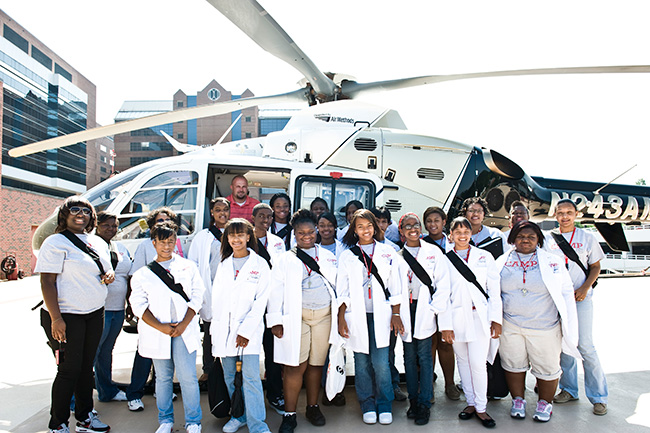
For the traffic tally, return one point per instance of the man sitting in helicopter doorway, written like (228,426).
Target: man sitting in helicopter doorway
(241,205)
(518,212)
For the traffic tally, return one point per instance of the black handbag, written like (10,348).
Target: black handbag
(218,397)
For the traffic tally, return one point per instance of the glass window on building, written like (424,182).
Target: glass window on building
(266,126)
(248,119)
(180,136)
(177,190)
(15,38)
(179,104)
(41,58)
(248,135)
(58,69)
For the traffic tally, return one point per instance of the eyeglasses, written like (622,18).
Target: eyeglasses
(478,211)
(74,210)
(162,220)
(412,226)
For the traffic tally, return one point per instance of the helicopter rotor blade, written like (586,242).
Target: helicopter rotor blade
(257,24)
(353,89)
(199,112)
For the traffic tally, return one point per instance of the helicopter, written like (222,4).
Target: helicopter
(341,149)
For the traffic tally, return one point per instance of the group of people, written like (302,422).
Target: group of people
(291,286)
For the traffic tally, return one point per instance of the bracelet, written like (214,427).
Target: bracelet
(60,318)
(396,314)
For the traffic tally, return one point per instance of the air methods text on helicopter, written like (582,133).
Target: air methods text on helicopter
(609,206)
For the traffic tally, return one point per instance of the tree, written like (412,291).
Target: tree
(640,181)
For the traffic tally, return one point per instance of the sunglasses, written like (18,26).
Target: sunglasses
(412,226)
(162,220)
(74,210)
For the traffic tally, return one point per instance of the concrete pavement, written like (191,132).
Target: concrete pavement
(621,319)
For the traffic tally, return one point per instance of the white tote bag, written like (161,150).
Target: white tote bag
(335,371)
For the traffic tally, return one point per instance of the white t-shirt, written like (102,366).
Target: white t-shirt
(116,298)
(414,282)
(78,282)
(587,247)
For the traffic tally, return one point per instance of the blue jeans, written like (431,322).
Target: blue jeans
(254,409)
(185,365)
(106,389)
(418,353)
(595,382)
(139,376)
(372,379)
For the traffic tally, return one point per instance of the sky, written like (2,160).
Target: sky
(579,127)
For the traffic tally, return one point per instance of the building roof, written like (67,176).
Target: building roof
(137,109)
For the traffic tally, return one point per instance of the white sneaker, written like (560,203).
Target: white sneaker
(136,405)
(370,417)
(233,425)
(61,429)
(518,409)
(120,396)
(165,427)
(92,424)
(193,428)
(385,418)
(543,411)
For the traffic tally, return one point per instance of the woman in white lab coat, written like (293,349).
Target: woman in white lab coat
(419,314)
(205,251)
(239,296)
(300,315)
(169,326)
(369,311)
(472,319)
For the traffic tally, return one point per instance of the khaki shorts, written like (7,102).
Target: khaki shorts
(537,349)
(314,341)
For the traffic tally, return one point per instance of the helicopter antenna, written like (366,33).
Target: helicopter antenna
(609,183)
(223,137)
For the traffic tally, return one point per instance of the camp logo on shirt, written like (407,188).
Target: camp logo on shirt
(333,261)
(554,267)
(253,276)
(481,261)
(517,264)
(574,245)
(278,245)
(431,258)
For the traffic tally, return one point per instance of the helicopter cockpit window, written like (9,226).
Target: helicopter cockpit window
(176,190)
(102,195)
(336,192)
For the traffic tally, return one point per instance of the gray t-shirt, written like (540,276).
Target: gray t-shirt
(527,305)
(238,263)
(414,282)
(367,286)
(172,308)
(315,295)
(78,282)
(116,298)
(587,247)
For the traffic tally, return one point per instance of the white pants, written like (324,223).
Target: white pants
(471,358)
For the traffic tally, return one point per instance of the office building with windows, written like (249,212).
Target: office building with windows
(43,96)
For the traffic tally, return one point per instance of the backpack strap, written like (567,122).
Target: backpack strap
(216,232)
(570,253)
(167,278)
(264,253)
(363,258)
(465,271)
(85,248)
(418,270)
(311,264)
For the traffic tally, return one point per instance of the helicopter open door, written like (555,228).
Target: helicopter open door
(337,188)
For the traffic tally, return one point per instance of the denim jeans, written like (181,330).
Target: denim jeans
(394,374)
(254,409)
(185,365)
(418,353)
(139,376)
(595,382)
(106,389)
(372,378)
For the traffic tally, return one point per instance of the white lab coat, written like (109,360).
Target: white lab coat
(558,283)
(351,292)
(275,246)
(238,305)
(149,292)
(199,253)
(285,302)
(436,265)
(465,295)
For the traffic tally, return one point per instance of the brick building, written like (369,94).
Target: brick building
(43,96)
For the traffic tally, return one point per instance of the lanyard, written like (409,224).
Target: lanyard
(409,275)
(527,265)
(368,268)
(566,259)
(266,241)
(309,270)
(467,259)
(236,273)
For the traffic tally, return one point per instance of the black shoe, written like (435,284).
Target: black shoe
(278,405)
(413,409)
(489,422)
(315,416)
(289,423)
(422,415)
(465,415)
(399,394)
(338,400)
